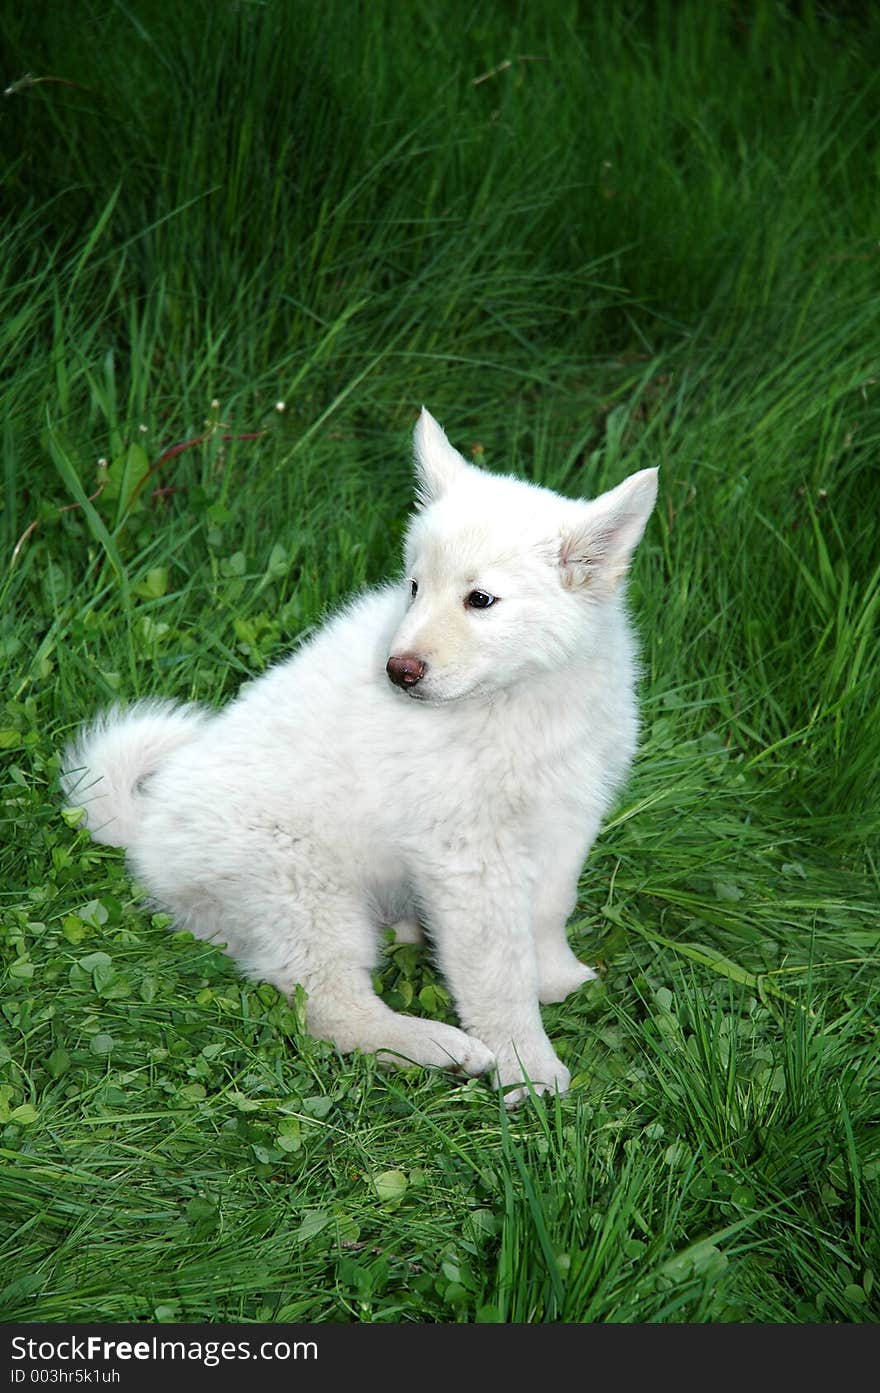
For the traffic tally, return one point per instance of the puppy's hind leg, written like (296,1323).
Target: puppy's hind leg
(342,1006)
(407,931)
(559,972)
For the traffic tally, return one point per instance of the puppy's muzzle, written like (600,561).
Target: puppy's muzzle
(405,669)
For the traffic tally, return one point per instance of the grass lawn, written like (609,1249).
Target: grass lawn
(590,238)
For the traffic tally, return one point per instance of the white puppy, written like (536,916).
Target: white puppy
(440,753)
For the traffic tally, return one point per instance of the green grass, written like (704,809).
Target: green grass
(648,238)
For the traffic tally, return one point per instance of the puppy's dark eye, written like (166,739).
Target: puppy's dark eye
(480,599)
(414,588)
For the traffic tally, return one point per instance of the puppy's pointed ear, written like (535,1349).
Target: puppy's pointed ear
(438,465)
(596,548)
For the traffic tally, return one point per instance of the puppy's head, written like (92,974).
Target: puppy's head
(504,578)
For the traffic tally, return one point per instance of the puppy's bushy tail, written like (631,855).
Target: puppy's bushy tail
(104,767)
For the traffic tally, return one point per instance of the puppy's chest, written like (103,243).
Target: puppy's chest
(503,781)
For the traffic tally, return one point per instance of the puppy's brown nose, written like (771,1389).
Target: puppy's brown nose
(405,669)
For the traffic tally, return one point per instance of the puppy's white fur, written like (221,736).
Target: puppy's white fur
(326,802)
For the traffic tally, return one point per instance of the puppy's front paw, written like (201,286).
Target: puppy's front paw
(536,1063)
